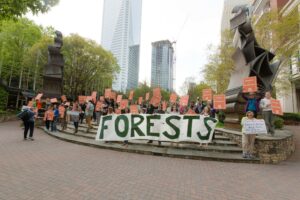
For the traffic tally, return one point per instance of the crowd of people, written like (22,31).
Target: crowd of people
(90,110)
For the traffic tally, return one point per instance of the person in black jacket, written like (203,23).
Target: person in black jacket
(29,124)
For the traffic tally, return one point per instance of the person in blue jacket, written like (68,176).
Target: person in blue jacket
(252,103)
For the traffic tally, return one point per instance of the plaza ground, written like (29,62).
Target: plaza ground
(48,168)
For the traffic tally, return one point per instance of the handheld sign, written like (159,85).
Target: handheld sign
(184,100)
(39,96)
(134,109)
(123,104)
(131,95)
(140,100)
(107,93)
(81,99)
(276,107)
(250,84)
(147,96)
(53,100)
(173,98)
(164,105)
(98,106)
(207,94)
(219,102)
(256,126)
(61,110)
(119,98)
(63,98)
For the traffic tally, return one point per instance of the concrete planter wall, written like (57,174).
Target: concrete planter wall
(9,117)
(268,149)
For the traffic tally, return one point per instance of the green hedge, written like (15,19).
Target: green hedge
(291,117)
(3,98)
(278,122)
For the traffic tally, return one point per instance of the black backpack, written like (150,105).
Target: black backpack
(24,115)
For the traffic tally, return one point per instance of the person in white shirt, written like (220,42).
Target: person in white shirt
(265,105)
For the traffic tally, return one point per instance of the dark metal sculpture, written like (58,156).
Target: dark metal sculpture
(53,71)
(250,60)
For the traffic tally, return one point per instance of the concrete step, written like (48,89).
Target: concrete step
(217,146)
(156,150)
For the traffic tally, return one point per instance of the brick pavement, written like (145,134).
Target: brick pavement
(48,168)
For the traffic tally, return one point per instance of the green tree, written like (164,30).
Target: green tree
(88,67)
(196,91)
(11,9)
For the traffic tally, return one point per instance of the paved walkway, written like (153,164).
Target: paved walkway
(48,168)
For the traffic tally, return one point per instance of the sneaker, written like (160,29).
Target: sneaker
(245,155)
(30,139)
(251,156)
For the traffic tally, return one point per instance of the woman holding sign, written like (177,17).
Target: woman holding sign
(267,114)
(247,139)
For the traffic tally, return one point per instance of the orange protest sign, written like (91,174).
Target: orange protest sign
(107,93)
(220,102)
(98,106)
(131,95)
(53,100)
(173,98)
(39,96)
(61,110)
(81,99)
(119,98)
(276,107)
(63,98)
(30,104)
(250,84)
(123,104)
(147,96)
(134,109)
(184,100)
(207,94)
(164,105)
(113,95)
(140,100)
(101,98)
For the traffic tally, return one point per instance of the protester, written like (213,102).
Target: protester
(206,113)
(89,114)
(265,105)
(48,117)
(55,119)
(248,139)
(64,119)
(82,112)
(75,117)
(252,103)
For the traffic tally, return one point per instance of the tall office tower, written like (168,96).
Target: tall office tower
(162,65)
(227,8)
(121,30)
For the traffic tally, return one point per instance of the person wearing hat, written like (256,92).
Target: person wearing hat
(248,139)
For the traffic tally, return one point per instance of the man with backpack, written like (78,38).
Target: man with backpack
(27,115)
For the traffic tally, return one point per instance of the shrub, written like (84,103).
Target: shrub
(278,122)
(221,117)
(3,98)
(291,116)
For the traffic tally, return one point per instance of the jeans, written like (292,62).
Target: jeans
(53,125)
(76,126)
(48,124)
(268,117)
(28,125)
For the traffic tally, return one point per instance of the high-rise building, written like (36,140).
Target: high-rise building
(121,30)
(162,65)
(227,8)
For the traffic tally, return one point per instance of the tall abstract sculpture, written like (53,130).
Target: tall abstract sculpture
(250,60)
(53,71)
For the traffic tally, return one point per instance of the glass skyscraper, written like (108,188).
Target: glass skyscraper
(162,73)
(121,30)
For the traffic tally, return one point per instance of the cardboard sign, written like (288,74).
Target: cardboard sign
(250,84)
(140,100)
(119,98)
(94,96)
(173,98)
(123,104)
(107,93)
(113,95)
(276,107)
(30,104)
(63,98)
(220,102)
(207,94)
(39,96)
(61,110)
(98,106)
(53,100)
(164,105)
(134,109)
(131,95)
(147,96)
(184,100)
(255,126)
(81,99)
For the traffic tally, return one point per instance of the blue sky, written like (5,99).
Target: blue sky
(193,23)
